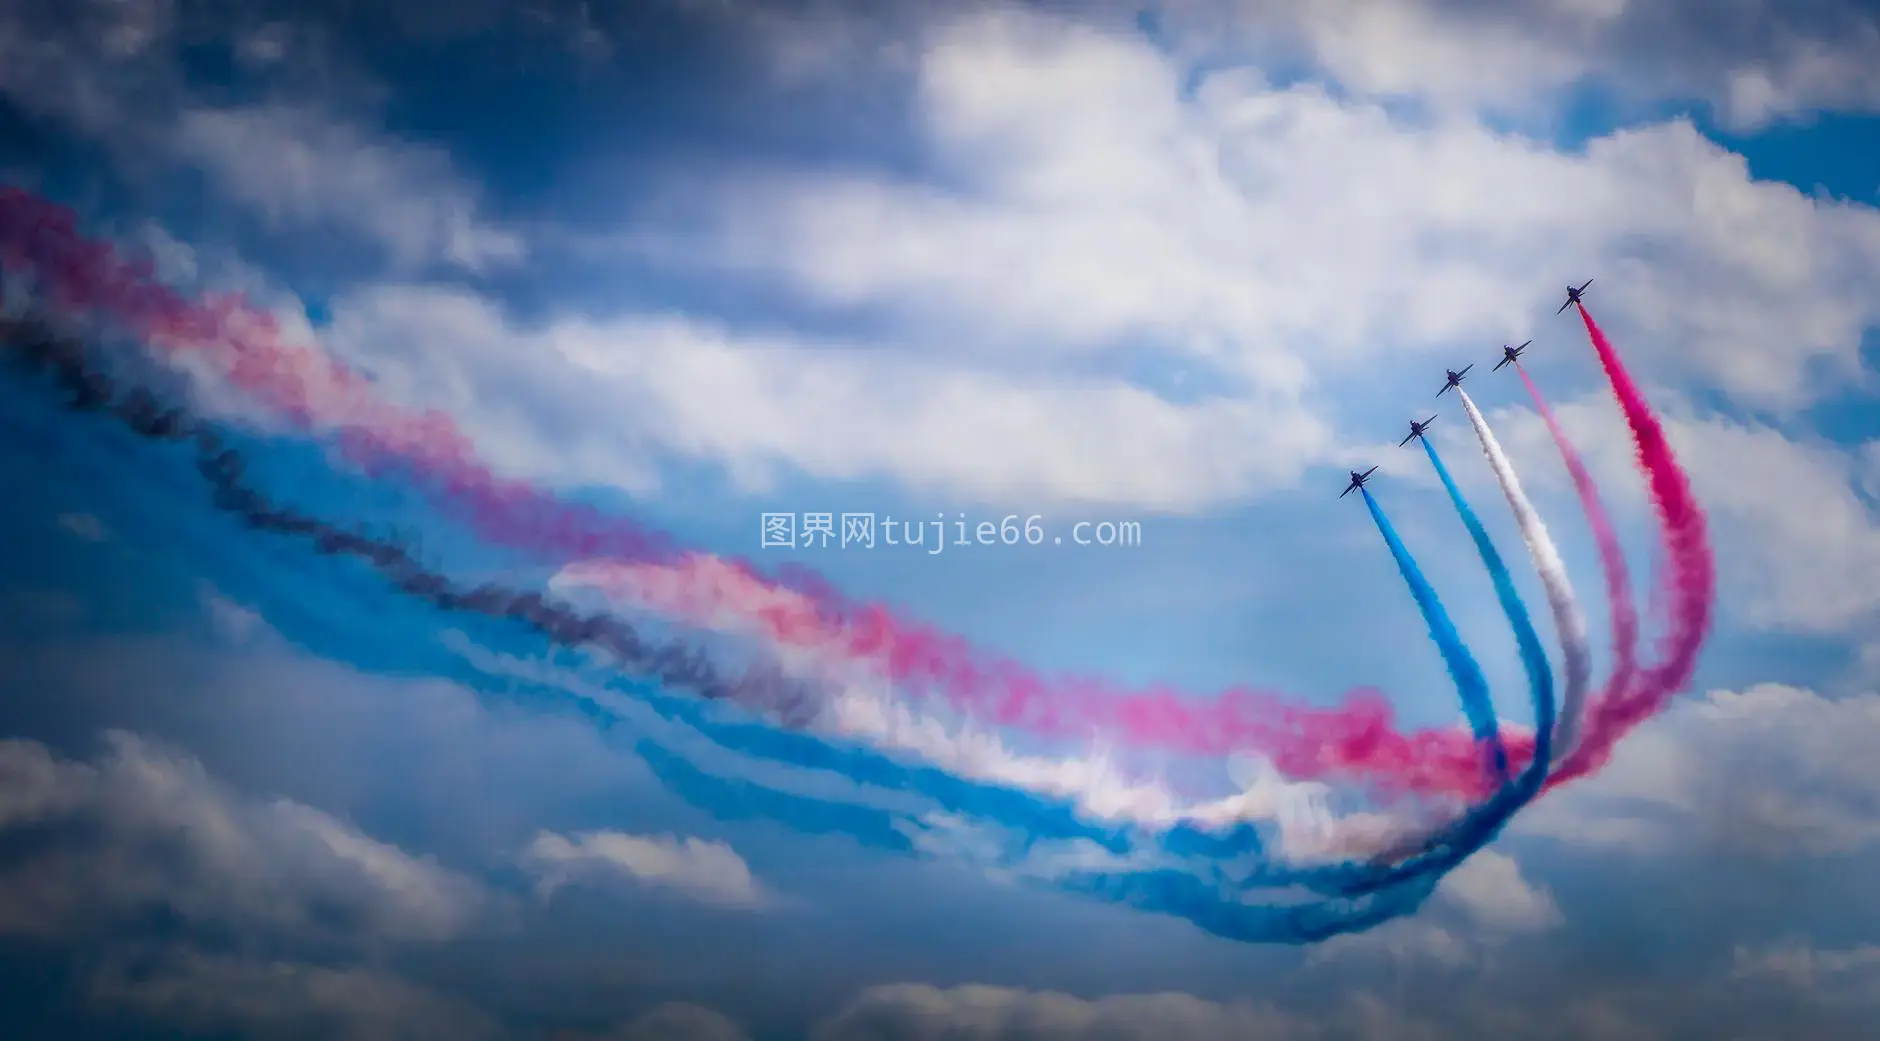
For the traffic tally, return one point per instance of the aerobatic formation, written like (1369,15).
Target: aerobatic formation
(748,692)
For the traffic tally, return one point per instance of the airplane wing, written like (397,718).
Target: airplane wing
(1583,286)
(1369,472)
(1500,363)
(1406,439)
(1445,389)
(1348,490)
(1465,369)
(1566,305)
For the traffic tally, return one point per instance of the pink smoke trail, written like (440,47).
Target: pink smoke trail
(1691,584)
(1612,561)
(317,394)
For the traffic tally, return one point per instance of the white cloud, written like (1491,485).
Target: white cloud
(211,994)
(978,1012)
(143,825)
(1755,62)
(1490,890)
(1805,75)
(1486,900)
(301,167)
(1404,941)
(94,847)
(1848,972)
(584,401)
(1268,234)
(1417,49)
(112,73)
(1773,771)
(918,1012)
(263,46)
(710,872)
(1798,543)
(231,621)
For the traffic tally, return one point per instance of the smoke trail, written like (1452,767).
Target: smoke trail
(1692,577)
(1445,847)
(317,395)
(679,666)
(1533,658)
(1623,610)
(1174,882)
(1463,670)
(1575,646)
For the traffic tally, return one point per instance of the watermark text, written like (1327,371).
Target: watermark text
(866,531)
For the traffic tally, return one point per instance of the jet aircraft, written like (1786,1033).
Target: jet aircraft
(1509,354)
(1357,481)
(1573,295)
(1416,430)
(1454,378)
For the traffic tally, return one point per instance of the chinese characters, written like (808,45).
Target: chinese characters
(820,530)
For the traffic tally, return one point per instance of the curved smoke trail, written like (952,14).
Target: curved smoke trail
(1176,865)
(317,395)
(1540,674)
(1445,847)
(1463,669)
(1691,580)
(1575,646)
(1621,606)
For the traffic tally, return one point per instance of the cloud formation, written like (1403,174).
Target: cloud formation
(597,401)
(1103,202)
(1755,63)
(95,844)
(113,74)
(287,1001)
(299,168)
(976,1012)
(1774,771)
(709,872)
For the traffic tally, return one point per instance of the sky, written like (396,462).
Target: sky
(1175,265)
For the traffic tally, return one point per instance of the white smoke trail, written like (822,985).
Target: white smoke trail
(859,703)
(1569,622)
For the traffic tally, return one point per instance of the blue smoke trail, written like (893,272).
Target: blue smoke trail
(314,592)
(1540,672)
(728,763)
(1450,845)
(1463,669)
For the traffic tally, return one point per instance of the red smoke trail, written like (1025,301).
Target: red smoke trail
(318,394)
(1692,576)
(1611,559)
(304,386)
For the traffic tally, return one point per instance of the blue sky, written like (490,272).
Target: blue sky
(1180,265)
